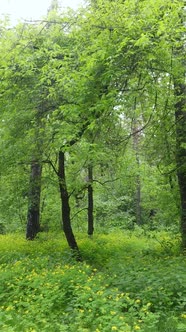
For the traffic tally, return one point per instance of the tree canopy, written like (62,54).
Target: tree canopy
(103,88)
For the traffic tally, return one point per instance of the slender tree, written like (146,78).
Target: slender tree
(90,201)
(67,228)
(180,117)
(179,74)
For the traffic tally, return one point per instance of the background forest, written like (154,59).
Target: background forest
(93,138)
(102,86)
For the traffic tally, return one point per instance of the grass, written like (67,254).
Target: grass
(127,282)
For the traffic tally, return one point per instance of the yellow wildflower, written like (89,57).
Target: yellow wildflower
(112,312)
(9,308)
(138,301)
(100,292)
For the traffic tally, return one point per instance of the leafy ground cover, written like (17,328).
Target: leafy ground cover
(127,282)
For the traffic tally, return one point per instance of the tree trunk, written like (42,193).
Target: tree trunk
(33,216)
(34,195)
(66,207)
(180,117)
(136,139)
(90,202)
(138,200)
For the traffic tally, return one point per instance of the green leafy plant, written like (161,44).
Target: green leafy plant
(115,288)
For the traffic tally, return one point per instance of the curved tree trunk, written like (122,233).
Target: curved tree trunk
(65,207)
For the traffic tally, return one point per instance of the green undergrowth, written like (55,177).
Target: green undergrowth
(127,282)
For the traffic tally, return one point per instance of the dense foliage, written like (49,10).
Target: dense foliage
(128,282)
(102,87)
(93,138)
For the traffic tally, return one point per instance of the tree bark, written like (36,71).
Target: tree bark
(179,76)
(34,195)
(180,117)
(33,216)
(90,201)
(136,139)
(67,228)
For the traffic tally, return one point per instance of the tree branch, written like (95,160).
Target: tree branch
(51,164)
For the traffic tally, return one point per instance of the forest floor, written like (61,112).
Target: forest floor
(128,281)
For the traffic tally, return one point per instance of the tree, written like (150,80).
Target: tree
(179,74)
(138,54)
(84,88)
(180,116)
(66,206)
(90,201)
(34,194)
